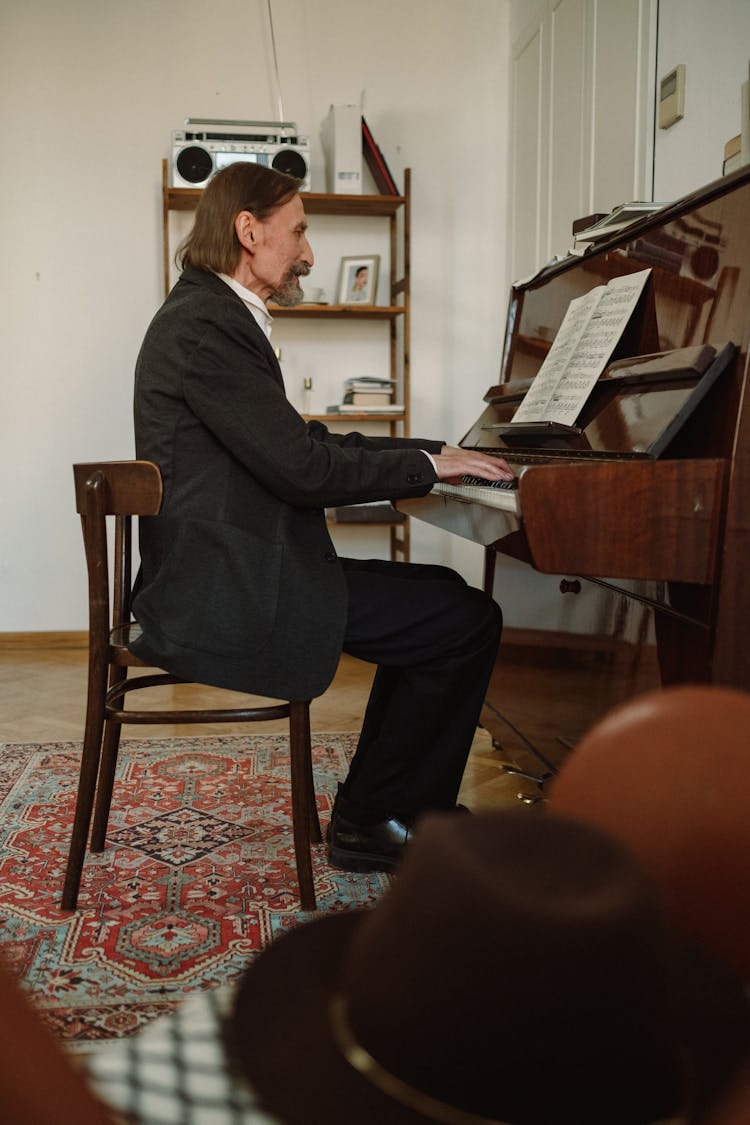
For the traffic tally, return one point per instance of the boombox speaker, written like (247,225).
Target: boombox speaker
(205,146)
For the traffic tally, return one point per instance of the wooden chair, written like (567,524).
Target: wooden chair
(124,489)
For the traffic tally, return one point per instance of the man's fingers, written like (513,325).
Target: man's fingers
(455,463)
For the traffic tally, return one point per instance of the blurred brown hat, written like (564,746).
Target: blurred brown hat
(518,970)
(668,774)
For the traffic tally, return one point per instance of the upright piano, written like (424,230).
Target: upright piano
(651,495)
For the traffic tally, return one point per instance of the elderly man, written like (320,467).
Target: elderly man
(241,586)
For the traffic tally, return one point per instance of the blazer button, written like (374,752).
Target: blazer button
(330,556)
(414,478)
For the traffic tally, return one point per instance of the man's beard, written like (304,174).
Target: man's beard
(290,291)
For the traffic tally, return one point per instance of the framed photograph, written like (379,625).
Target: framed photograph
(358,280)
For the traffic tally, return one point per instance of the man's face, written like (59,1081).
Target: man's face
(282,254)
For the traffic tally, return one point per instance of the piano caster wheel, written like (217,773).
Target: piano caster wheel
(531,799)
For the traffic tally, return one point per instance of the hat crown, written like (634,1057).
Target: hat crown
(514,946)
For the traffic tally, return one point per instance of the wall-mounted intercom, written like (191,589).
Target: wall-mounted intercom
(672,97)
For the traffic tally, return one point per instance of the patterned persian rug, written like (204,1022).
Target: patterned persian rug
(197,876)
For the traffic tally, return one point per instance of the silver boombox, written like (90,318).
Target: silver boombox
(205,146)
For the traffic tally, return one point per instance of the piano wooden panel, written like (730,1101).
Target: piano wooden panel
(655,520)
(683,520)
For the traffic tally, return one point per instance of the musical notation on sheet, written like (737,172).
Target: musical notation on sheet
(588,335)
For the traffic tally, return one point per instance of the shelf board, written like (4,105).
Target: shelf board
(338,312)
(182,199)
(316,203)
(396,522)
(350,416)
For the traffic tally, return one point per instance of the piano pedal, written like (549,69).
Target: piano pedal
(550,767)
(537,779)
(516,771)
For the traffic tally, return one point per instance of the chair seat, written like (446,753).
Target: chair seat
(122,635)
(119,639)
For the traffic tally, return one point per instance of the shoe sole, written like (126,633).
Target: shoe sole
(360,862)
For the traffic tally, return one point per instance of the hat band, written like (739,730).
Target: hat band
(363,1062)
(394,1087)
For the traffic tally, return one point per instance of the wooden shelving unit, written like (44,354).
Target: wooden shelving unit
(395,209)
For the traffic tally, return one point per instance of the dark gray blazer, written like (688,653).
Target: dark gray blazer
(240,583)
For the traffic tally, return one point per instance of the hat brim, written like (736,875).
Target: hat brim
(280,1035)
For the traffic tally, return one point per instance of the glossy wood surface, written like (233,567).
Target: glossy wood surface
(130,488)
(595,522)
(316,203)
(337,312)
(683,520)
(703,296)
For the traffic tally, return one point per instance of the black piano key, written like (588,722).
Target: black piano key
(491,483)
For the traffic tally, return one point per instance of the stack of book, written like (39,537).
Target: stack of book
(606,226)
(368,394)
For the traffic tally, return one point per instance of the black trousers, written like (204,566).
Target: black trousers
(434,639)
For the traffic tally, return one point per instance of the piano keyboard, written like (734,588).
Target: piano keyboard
(491,494)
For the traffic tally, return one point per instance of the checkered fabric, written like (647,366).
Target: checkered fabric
(175,1072)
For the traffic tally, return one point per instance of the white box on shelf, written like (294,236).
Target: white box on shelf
(341,137)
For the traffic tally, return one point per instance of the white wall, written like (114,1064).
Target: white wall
(91,91)
(713,41)
(582,114)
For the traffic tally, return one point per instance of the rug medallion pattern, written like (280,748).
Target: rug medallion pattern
(197,876)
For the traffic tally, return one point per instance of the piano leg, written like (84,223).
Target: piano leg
(685,648)
(488,578)
(684,651)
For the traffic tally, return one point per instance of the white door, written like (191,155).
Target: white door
(582,120)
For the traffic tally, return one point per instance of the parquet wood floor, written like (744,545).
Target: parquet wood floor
(43,691)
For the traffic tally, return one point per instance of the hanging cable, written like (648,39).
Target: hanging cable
(279,103)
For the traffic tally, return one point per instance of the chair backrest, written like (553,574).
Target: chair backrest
(126,487)
(121,489)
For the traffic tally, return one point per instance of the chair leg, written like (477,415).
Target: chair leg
(108,766)
(313,820)
(316,834)
(92,743)
(299,748)
(106,784)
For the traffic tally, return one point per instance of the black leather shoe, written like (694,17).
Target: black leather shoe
(366,847)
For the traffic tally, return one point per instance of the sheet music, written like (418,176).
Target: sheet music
(590,330)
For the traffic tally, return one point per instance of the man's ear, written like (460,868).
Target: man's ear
(247,229)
